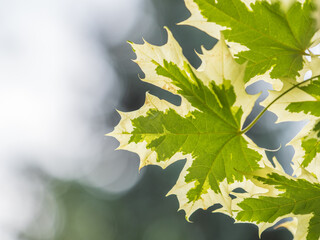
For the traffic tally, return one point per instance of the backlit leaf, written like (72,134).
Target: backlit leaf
(274,37)
(299,198)
(205,129)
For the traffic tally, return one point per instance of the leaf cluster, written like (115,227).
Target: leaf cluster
(268,40)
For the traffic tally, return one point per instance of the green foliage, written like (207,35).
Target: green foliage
(275,38)
(299,197)
(214,121)
(311,147)
(312,107)
(206,129)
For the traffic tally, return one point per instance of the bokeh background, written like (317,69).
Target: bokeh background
(65,66)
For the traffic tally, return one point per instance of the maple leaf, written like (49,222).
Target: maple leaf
(297,198)
(309,140)
(311,147)
(301,102)
(271,38)
(311,109)
(205,128)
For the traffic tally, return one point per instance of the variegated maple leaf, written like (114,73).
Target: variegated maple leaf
(309,139)
(269,40)
(205,128)
(272,36)
(301,102)
(297,198)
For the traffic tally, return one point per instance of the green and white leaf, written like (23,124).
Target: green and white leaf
(308,145)
(268,41)
(298,198)
(205,129)
(301,103)
(272,39)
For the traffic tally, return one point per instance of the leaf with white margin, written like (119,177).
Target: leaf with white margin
(311,147)
(301,104)
(205,129)
(274,41)
(309,143)
(297,198)
(198,21)
(270,191)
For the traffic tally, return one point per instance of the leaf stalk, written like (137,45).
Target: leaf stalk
(276,99)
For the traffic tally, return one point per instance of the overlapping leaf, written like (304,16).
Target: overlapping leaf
(299,198)
(205,128)
(274,37)
(310,141)
(311,147)
(297,104)
(269,39)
